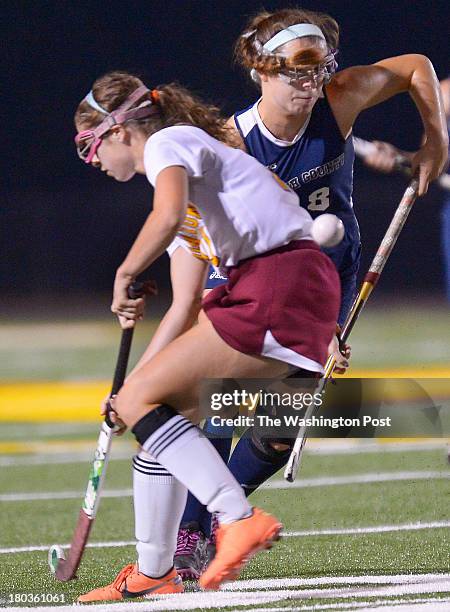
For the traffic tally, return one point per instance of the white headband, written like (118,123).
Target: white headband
(94,104)
(292,32)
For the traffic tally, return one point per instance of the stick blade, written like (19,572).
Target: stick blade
(66,569)
(55,556)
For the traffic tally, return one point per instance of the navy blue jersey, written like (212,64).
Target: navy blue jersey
(317,165)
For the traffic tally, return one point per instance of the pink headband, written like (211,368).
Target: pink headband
(119,115)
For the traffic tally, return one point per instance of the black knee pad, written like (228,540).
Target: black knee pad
(262,446)
(152,421)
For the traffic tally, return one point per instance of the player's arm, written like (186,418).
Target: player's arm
(360,87)
(231,123)
(169,211)
(188,276)
(385,157)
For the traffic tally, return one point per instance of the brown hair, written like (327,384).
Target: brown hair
(174,105)
(260,29)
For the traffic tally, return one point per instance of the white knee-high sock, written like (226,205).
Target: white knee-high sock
(159,502)
(186,453)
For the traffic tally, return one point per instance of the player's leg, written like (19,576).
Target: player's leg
(168,436)
(260,453)
(194,547)
(148,403)
(159,501)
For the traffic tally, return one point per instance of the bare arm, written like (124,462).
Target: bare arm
(188,275)
(361,87)
(169,211)
(239,142)
(383,156)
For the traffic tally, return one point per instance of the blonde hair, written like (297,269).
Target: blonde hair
(174,105)
(261,28)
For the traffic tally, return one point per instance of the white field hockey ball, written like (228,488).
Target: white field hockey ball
(327,230)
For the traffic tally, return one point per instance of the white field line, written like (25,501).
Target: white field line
(327,481)
(356,446)
(362,530)
(305,483)
(286,534)
(60,459)
(281,583)
(393,586)
(21,497)
(315,447)
(387,605)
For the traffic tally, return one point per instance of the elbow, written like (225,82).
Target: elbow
(422,66)
(170,221)
(174,221)
(189,305)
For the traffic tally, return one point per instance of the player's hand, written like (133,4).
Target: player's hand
(428,163)
(384,157)
(107,406)
(341,358)
(127,310)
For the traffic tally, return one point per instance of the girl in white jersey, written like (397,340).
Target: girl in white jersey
(212,204)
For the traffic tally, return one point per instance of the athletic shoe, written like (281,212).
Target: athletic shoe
(210,550)
(189,557)
(130,583)
(236,543)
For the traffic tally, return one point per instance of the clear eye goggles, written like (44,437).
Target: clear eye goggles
(88,141)
(319,74)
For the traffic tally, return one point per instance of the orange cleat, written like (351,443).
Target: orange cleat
(130,583)
(236,544)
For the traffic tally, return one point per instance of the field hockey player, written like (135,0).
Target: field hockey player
(207,206)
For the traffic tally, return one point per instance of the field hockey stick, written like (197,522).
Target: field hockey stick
(65,568)
(369,283)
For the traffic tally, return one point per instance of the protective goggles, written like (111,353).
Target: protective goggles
(318,74)
(88,141)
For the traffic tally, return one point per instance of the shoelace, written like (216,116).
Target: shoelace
(187,541)
(122,576)
(214,528)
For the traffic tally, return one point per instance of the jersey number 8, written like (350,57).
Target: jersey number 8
(319,200)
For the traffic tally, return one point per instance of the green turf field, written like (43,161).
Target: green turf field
(386,336)
(367,525)
(406,493)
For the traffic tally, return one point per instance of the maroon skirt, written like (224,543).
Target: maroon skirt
(283,304)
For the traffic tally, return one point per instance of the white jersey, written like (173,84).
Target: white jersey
(240,209)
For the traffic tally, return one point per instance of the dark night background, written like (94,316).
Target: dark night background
(65,226)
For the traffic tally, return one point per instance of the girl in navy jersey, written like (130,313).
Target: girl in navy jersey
(212,204)
(301,128)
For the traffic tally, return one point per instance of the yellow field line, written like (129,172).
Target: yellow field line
(52,401)
(424,372)
(80,401)
(48,447)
